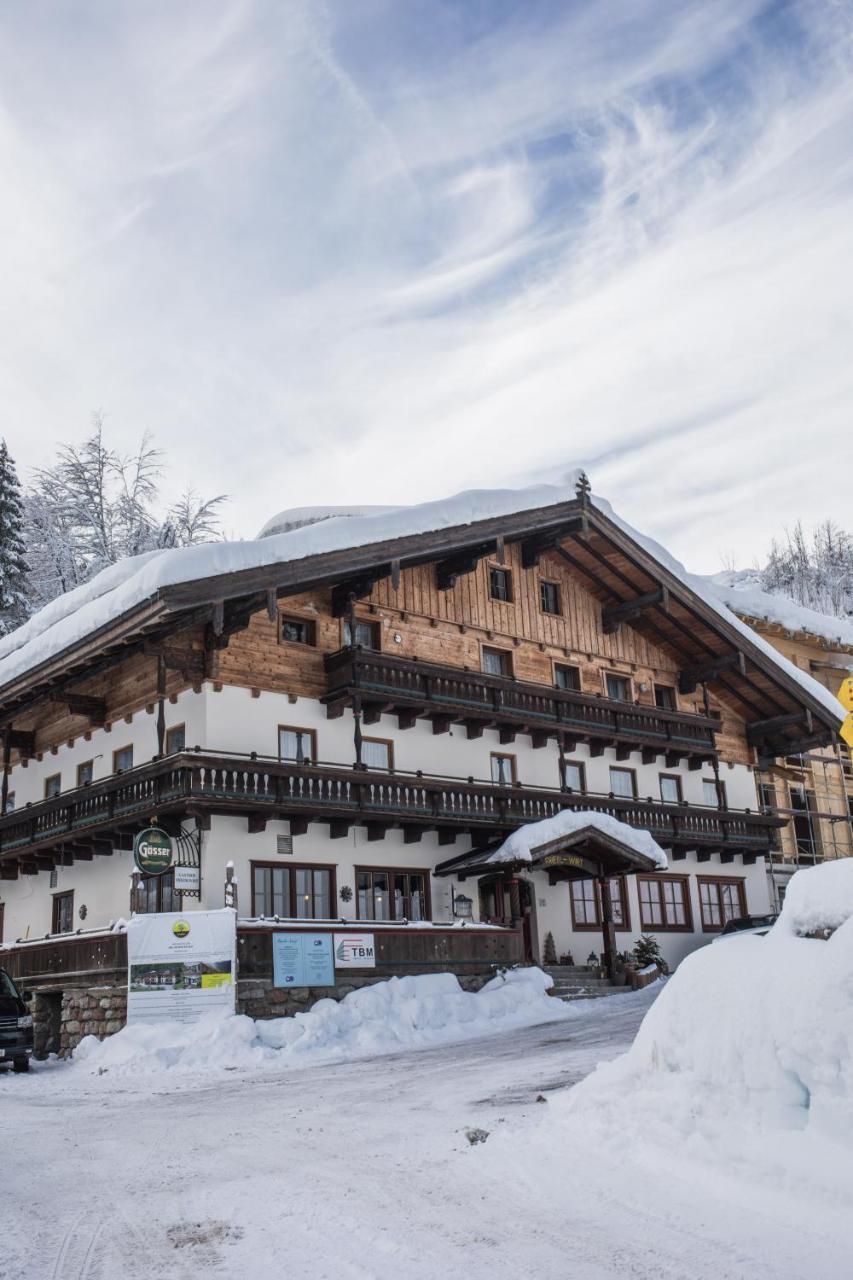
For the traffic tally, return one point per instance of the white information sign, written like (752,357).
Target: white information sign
(181,966)
(186,879)
(354,951)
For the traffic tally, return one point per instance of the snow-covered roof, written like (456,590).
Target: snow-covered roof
(300,517)
(741,590)
(125,586)
(520,845)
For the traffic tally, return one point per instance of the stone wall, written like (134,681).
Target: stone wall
(258,998)
(62,1018)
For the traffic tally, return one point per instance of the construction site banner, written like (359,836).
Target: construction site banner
(181,966)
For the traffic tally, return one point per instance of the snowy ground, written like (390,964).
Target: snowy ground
(359,1170)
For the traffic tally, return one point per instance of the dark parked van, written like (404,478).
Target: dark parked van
(16,1025)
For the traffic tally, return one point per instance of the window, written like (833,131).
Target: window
(122,759)
(52,786)
(623,782)
(806,827)
(297,744)
(665,697)
(301,893)
(500,584)
(377,753)
(389,894)
(720,900)
(574,775)
(503,769)
(299,630)
(63,913)
(618,687)
(664,903)
(158,893)
(709,794)
(367,634)
(670,788)
(586,903)
(10,802)
(176,739)
(497,662)
(567,677)
(549,597)
(767,797)
(85,773)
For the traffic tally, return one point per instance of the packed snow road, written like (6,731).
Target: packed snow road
(365,1169)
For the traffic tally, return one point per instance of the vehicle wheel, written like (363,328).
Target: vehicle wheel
(21,1064)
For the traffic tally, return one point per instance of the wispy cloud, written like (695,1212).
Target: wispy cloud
(384,251)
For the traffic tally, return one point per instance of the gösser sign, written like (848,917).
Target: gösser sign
(152,851)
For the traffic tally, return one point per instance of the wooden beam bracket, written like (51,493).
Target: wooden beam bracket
(613,615)
(693,676)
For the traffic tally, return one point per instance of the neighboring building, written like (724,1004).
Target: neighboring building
(358,713)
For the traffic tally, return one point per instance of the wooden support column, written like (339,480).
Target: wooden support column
(161,704)
(607,930)
(7,753)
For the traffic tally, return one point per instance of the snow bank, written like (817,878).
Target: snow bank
(520,844)
(751,1035)
(402,1013)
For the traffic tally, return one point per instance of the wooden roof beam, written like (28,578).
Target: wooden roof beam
(613,615)
(537,545)
(22,740)
(447,571)
(760,731)
(693,676)
(81,704)
(344,593)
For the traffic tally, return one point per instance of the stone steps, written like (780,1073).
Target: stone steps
(577,982)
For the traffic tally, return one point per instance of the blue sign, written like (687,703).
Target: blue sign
(302,960)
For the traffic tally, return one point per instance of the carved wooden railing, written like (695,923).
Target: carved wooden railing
(430,688)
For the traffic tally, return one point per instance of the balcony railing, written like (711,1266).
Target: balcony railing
(199,783)
(410,688)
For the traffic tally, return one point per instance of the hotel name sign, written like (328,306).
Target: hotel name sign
(569,862)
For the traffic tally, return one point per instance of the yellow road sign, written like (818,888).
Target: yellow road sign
(845,694)
(846,730)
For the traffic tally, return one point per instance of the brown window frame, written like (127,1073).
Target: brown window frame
(568,666)
(507,576)
(290,870)
(160,884)
(712,782)
(717,882)
(10,802)
(513,768)
(54,777)
(660,880)
(296,728)
(85,764)
(385,742)
(597,924)
(375,630)
(577,764)
(670,777)
(394,871)
(506,655)
(118,751)
(170,750)
(558,597)
(66,895)
(310,625)
(618,675)
(618,768)
(671,689)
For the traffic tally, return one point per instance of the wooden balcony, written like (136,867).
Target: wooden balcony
(444,695)
(195,785)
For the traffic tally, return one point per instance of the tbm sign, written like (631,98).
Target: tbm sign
(152,851)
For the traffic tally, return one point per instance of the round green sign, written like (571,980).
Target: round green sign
(152,851)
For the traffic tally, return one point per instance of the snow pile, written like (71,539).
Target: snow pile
(751,1036)
(402,1013)
(519,846)
(741,590)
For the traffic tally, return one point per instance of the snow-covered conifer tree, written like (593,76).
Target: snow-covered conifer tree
(14,608)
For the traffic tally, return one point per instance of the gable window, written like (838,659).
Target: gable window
(500,584)
(618,687)
(62,920)
(566,677)
(664,903)
(709,794)
(623,782)
(52,786)
(297,630)
(122,759)
(367,635)
(391,894)
(497,662)
(85,772)
(377,753)
(503,769)
(586,904)
(176,739)
(296,744)
(574,775)
(300,893)
(158,893)
(665,697)
(549,597)
(670,788)
(720,901)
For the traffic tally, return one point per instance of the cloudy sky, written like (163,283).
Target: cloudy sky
(383,250)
